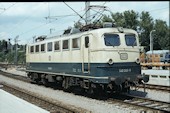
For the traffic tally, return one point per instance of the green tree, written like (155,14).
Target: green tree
(145,27)
(131,19)
(21,57)
(161,36)
(106,18)
(143,23)
(127,19)
(10,57)
(118,19)
(2,57)
(3,45)
(78,24)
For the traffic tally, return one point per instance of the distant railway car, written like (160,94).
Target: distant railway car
(158,77)
(104,59)
(158,56)
(167,57)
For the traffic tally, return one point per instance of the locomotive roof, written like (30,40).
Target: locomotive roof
(95,31)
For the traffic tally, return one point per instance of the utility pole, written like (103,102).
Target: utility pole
(16,50)
(34,38)
(9,44)
(51,30)
(3,9)
(151,43)
(87,4)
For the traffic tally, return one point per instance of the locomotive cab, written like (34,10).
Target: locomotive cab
(114,56)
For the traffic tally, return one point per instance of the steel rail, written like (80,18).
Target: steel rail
(43,102)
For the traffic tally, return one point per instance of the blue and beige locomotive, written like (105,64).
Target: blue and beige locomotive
(103,59)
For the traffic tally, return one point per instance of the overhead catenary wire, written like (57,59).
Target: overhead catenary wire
(48,23)
(98,12)
(98,19)
(84,14)
(40,25)
(21,22)
(8,8)
(36,27)
(62,16)
(158,9)
(44,24)
(93,14)
(48,11)
(2,9)
(75,11)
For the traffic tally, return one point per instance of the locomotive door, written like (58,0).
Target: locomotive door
(86,54)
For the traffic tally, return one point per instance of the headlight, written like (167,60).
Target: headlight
(145,78)
(110,61)
(137,60)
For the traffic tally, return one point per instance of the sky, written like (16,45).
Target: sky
(29,19)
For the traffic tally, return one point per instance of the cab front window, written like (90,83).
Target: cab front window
(130,40)
(111,39)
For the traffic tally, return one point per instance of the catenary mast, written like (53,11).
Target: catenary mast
(87,4)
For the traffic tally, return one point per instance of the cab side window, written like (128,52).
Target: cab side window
(57,45)
(37,48)
(42,47)
(65,44)
(49,46)
(32,49)
(75,43)
(86,41)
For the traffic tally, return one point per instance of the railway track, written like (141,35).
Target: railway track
(155,87)
(147,103)
(148,86)
(45,103)
(142,103)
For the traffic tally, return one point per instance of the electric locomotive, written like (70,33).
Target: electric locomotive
(100,59)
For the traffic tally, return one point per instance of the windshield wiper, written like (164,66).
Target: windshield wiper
(109,43)
(134,43)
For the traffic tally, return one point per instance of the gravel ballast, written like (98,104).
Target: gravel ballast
(96,106)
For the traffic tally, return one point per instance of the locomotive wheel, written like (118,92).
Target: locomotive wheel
(126,90)
(65,84)
(93,90)
(35,78)
(118,88)
(45,82)
(126,87)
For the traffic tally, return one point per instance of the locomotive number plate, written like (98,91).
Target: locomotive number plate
(124,70)
(123,56)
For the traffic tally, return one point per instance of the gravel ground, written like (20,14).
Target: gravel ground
(14,71)
(155,95)
(96,106)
